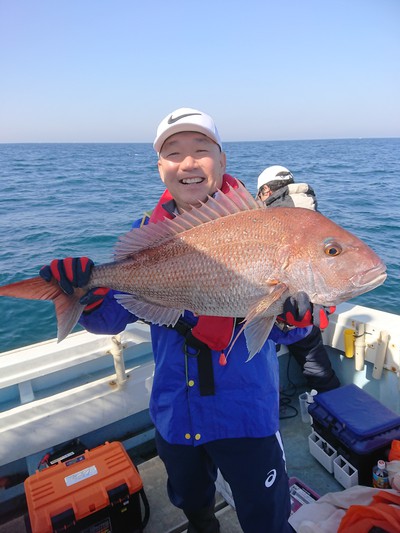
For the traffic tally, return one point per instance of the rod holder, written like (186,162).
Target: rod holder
(380,354)
(117,351)
(359,347)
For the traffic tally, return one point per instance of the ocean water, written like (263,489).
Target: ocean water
(61,200)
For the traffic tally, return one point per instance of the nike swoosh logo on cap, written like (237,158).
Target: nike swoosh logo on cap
(172,119)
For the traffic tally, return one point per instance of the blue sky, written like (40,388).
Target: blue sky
(110,70)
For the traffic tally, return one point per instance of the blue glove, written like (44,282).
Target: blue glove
(70,272)
(299,311)
(93,299)
(73,272)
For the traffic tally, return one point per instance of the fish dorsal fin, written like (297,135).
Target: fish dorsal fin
(222,205)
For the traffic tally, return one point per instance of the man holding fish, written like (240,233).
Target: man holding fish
(227,429)
(211,254)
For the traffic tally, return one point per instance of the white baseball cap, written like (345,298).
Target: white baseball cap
(185,119)
(274,173)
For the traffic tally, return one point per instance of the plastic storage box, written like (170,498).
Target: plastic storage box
(300,494)
(322,451)
(344,472)
(97,491)
(356,425)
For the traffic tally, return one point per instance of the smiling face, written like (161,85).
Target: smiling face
(191,166)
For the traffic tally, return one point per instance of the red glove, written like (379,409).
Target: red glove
(70,272)
(93,299)
(73,272)
(299,311)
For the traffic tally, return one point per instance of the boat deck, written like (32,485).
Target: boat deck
(165,518)
(88,384)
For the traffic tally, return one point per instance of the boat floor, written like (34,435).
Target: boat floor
(165,518)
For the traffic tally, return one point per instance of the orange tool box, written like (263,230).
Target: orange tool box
(96,492)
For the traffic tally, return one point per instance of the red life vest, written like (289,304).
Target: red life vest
(215,331)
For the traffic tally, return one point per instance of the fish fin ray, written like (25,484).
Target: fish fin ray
(240,197)
(153,313)
(270,303)
(68,312)
(151,235)
(31,289)
(256,333)
(256,325)
(68,308)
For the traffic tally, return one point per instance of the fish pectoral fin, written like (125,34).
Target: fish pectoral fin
(268,305)
(156,314)
(260,319)
(256,333)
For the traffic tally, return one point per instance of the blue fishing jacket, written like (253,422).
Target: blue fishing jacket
(246,399)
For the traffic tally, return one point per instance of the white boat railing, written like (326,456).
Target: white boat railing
(376,334)
(72,388)
(36,360)
(51,392)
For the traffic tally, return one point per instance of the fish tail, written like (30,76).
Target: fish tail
(68,308)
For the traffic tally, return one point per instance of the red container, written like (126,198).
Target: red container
(95,491)
(300,494)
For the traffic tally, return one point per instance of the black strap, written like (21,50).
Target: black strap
(203,354)
(146,506)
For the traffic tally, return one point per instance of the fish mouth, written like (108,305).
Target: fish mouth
(358,284)
(371,278)
(364,282)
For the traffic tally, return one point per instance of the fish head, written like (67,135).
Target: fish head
(328,262)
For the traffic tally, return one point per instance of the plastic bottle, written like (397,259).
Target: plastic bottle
(305,399)
(380,476)
(310,399)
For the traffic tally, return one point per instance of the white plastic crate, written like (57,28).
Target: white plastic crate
(322,451)
(345,472)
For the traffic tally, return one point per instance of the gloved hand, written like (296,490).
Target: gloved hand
(70,272)
(299,311)
(73,272)
(93,299)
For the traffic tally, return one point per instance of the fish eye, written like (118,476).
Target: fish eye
(332,248)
